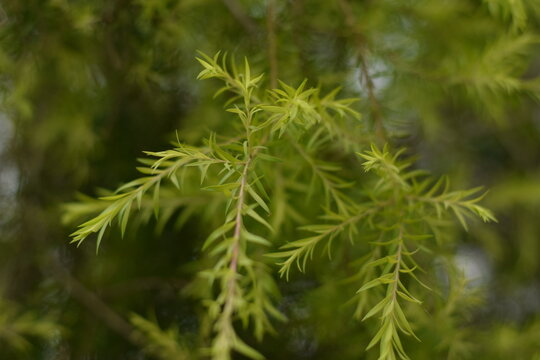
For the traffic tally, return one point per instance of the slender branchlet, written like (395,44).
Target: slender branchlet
(386,215)
(361,49)
(401,208)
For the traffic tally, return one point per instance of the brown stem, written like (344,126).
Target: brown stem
(298,28)
(272,45)
(375,106)
(93,303)
(398,264)
(236,10)
(228,308)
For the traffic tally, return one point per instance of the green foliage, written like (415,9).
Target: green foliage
(402,209)
(286,175)
(163,344)
(17,326)
(510,10)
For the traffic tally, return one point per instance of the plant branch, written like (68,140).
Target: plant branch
(375,106)
(272,45)
(233,267)
(398,263)
(240,15)
(97,306)
(329,185)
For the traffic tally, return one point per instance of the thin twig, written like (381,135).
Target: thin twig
(397,269)
(298,29)
(272,45)
(376,112)
(228,307)
(99,308)
(143,284)
(236,10)
(226,316)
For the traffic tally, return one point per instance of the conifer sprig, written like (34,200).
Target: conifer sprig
(333,185)
(405,224)
(402,208)
(398,207)
(165,167)
(164,344)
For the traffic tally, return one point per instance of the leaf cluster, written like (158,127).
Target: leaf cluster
(398,210)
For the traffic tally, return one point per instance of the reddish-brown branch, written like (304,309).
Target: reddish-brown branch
(228,308)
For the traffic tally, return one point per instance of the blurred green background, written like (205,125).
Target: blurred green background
(87,85)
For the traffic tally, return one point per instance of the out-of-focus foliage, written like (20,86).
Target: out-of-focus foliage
(17,327)
(163,344)
(88,85)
